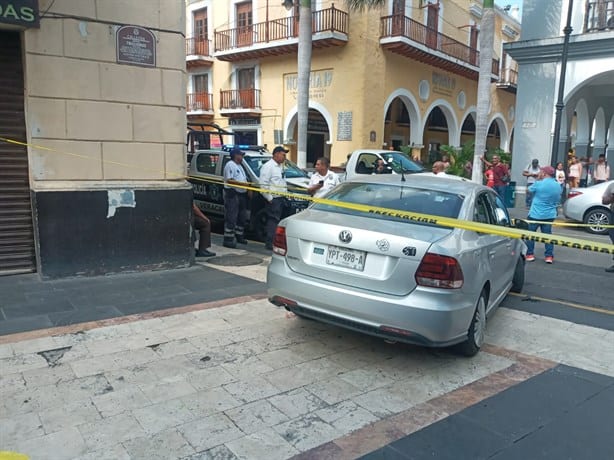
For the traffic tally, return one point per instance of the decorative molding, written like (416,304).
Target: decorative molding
(508,31)
(476,10)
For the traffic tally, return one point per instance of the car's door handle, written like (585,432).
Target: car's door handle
(492,253)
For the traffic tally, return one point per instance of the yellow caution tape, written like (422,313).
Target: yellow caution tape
(6,455)
(510,232)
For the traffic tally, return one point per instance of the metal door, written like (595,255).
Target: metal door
(16,230)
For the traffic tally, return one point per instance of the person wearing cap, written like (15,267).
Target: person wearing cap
(235,200)
(273,179)
(546,196)
(531,172)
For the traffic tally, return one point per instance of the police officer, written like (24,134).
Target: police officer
(273,178)
(235,200)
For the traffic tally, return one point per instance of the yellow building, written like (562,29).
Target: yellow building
(404,74)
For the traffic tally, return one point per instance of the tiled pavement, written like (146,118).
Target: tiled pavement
(236,377)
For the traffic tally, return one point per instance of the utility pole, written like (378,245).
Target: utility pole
(559,103)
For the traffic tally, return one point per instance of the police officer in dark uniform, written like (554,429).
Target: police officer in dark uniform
(235,200)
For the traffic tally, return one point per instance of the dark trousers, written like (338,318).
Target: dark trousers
(545,228)
(204,232)
(274,210)
(500,189)
(235,213)
(612,233)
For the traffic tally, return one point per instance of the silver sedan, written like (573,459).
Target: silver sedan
(400,279)
(584,205)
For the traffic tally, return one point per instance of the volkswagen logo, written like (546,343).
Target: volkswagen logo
(345,236)
(383,245)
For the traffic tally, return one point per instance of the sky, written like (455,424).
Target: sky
(503,3)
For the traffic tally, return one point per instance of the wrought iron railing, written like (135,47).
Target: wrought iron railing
(402,26)
(509,76)
(240,99)
(599,15)
(199,101)
(195,46)
(330,19)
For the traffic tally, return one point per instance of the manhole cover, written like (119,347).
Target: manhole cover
(234,260)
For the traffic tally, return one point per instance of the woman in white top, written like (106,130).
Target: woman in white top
(575,172)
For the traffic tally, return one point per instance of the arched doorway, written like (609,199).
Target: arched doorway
(468,129)
(318,134)
(436,134)
(397,125)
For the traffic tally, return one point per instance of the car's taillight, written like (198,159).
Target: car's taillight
(439,271)
(573,193)
(279,241)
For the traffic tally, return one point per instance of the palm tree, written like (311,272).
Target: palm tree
(304,68)
(487,36)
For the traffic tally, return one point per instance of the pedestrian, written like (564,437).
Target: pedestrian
(445,159)
(273,179)
(235,200)
(560,178)
(601,171)
(501,174)
(546,196)
(439,169)
(323,180)
(585,174)
(608,198)
(531,172)
(575,172)
(489,175)
(203,225)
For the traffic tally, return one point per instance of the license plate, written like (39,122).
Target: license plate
(347,258)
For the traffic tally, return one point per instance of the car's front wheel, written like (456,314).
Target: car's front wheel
(595,219)
(477,329)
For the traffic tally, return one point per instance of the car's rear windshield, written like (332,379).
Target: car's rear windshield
(391,196)
(256,162)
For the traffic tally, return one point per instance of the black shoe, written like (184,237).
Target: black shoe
(241,240)
(610,269)
(204,253)
(229,244)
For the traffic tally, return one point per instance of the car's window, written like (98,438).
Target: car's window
(500,214)
(481,211)
(400,163)
(256,162)
(206,162)
(365,163)
(395,197)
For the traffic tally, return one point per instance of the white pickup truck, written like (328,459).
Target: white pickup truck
(362,162)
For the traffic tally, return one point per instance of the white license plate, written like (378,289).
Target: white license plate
(347,258)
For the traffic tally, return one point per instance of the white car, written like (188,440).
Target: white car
(584,205)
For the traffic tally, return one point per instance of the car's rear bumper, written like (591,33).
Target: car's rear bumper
(431,317)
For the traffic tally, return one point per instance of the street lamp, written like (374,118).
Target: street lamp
(288,4)
(560,104)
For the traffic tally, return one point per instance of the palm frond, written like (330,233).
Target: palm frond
(361,5)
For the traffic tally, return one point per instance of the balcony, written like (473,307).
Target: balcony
(280,36)
(599,16)
(199,104)
(198,52)
(244,102)
(508,80)
(409,38)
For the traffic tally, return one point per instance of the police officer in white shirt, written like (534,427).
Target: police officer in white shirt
(322,180)
(235,200)
(273,178)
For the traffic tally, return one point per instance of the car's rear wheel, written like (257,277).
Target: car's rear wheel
(518,279)
(595,219)
(477,329)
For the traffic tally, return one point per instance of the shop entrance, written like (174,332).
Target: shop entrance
(16,229)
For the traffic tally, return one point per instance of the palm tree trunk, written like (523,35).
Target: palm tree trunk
(486,40)
(304,71)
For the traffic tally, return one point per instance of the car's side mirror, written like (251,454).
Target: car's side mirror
(521,224)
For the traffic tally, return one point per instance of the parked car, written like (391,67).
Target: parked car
(396,278)
(584,205)
(206,173)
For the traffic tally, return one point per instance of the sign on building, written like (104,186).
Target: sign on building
(135,45)
(344,126)
(20,12)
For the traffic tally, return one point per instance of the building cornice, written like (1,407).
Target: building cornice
(583,46)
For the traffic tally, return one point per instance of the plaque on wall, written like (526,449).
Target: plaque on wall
(344,126)
(20,12)
(135,45)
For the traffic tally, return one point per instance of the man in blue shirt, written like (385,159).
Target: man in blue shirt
(546,193)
